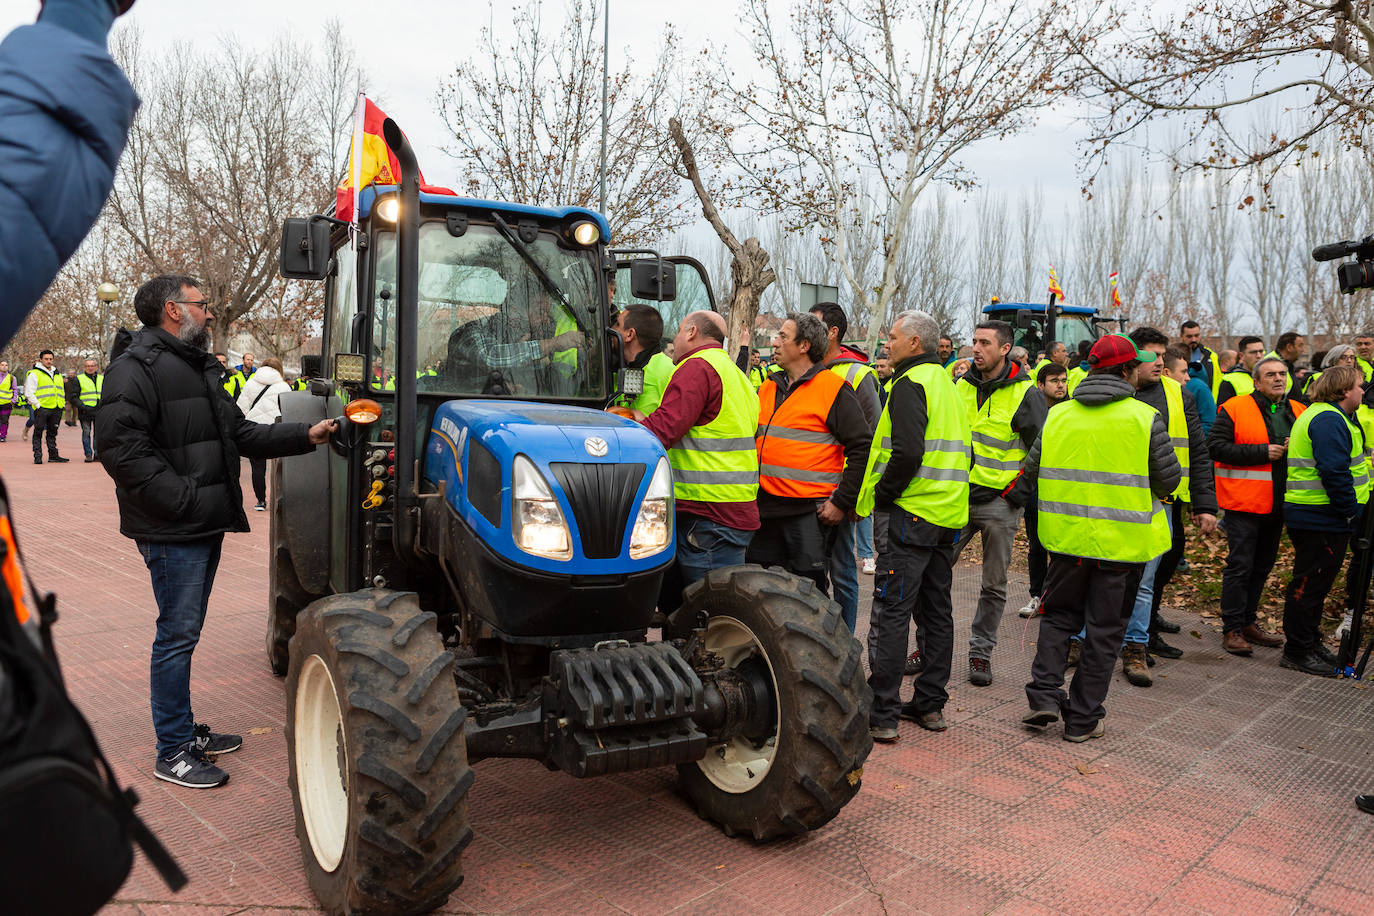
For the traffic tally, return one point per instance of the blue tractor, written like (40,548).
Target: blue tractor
(473,569)
(1036,325)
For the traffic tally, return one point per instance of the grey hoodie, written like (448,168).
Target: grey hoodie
(1096,390)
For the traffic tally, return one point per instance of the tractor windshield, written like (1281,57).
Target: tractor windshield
(1070,329)
(489,324)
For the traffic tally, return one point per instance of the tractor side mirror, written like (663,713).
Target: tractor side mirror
(305,249)
(312,365)
(1025,319)
(650,283)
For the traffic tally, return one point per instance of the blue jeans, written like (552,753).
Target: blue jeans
(183,573)
(88,436)
(844,574)
(863,537)
(704,545)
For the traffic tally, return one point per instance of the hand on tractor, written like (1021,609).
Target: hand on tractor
(320,432)
(829,513)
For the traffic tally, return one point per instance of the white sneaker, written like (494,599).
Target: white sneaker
(1032,608)
(868,565)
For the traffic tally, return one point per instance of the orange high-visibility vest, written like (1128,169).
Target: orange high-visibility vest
(798,456)
(1247,487)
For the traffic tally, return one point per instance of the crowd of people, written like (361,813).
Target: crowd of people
(1108,460)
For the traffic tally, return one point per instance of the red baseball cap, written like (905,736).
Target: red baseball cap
(1115,349)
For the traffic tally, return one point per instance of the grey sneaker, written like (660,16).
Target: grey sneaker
(1097,732)
(208,742)
(1039,718)
(190,767)
(883,734)
(979,671)
(1032,607)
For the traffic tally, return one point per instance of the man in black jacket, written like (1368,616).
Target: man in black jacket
(171,440)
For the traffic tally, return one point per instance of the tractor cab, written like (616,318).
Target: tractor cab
(1035,324)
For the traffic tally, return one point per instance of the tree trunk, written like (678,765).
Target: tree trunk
(750,274)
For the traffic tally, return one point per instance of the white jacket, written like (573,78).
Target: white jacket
(266,409)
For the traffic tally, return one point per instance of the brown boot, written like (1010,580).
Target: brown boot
(1133,665)
(1259,637)
(1075,651)
(1235,643)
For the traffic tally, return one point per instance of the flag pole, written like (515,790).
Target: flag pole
(355,165)
(605,77)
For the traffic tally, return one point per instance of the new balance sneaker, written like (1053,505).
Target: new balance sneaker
(190,767)
(208,742)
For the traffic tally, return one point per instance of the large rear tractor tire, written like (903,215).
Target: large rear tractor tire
(781,628)
(378,761)
(286,597)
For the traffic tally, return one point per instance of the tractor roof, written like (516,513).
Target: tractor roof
(996,307)
(371,192)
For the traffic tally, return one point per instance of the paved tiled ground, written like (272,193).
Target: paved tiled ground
(1225,788)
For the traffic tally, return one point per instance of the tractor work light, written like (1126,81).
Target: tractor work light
(585,233)
(363,411)
(537,523)
(653,530)
(388,209)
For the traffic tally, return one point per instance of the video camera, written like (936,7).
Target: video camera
(1352,275)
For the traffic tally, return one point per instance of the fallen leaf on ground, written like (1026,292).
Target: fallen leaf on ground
(1086,769)
(265,730)
(1195,634)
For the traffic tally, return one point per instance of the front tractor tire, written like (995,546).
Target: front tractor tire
(781,628)
(378,761)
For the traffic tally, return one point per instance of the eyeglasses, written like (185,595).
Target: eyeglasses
(202,304)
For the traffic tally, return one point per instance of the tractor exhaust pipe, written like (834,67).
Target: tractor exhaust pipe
(407,504)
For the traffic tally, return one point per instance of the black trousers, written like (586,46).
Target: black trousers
(797,543)
(918,586)
(46,419)
(1317,560)
(1169,565)
(1037,558)
(1079,592)
(259,468)
(1253,542)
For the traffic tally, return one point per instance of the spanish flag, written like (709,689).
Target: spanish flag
(370,160)
(1055,289)
(1116,292)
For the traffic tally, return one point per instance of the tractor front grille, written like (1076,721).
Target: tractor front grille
(602,497)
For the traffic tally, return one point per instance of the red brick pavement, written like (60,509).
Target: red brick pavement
(1226,788)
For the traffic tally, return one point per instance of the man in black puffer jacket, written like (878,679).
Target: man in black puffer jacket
(171,439)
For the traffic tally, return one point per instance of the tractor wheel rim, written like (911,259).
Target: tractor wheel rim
(736,765)
(321,763)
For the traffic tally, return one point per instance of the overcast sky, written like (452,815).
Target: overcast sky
(408,46)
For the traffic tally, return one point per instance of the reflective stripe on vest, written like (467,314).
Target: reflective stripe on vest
(1304,483)
(717,462)
(1241,381)
(798,455)
(1178,432)
(998,452)
(90,389)
(938,493)
(1094,483)
(49,388)
(1247,487)
(853,372)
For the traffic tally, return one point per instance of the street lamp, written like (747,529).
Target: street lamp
(107,292)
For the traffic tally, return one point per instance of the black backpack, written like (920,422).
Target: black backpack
(65,825)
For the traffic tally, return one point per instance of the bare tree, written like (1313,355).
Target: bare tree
(217,158)
(1270,257)
(1214,61)
(1029,212)
(1220,243)
(883,92)
(750,274)
(526,122)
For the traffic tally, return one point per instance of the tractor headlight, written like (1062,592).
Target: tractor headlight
(653,530)
(388,208)
(536,520)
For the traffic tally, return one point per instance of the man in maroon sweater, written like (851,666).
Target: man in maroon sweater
(711,533)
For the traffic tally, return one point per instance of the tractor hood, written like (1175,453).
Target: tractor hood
(598,467)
